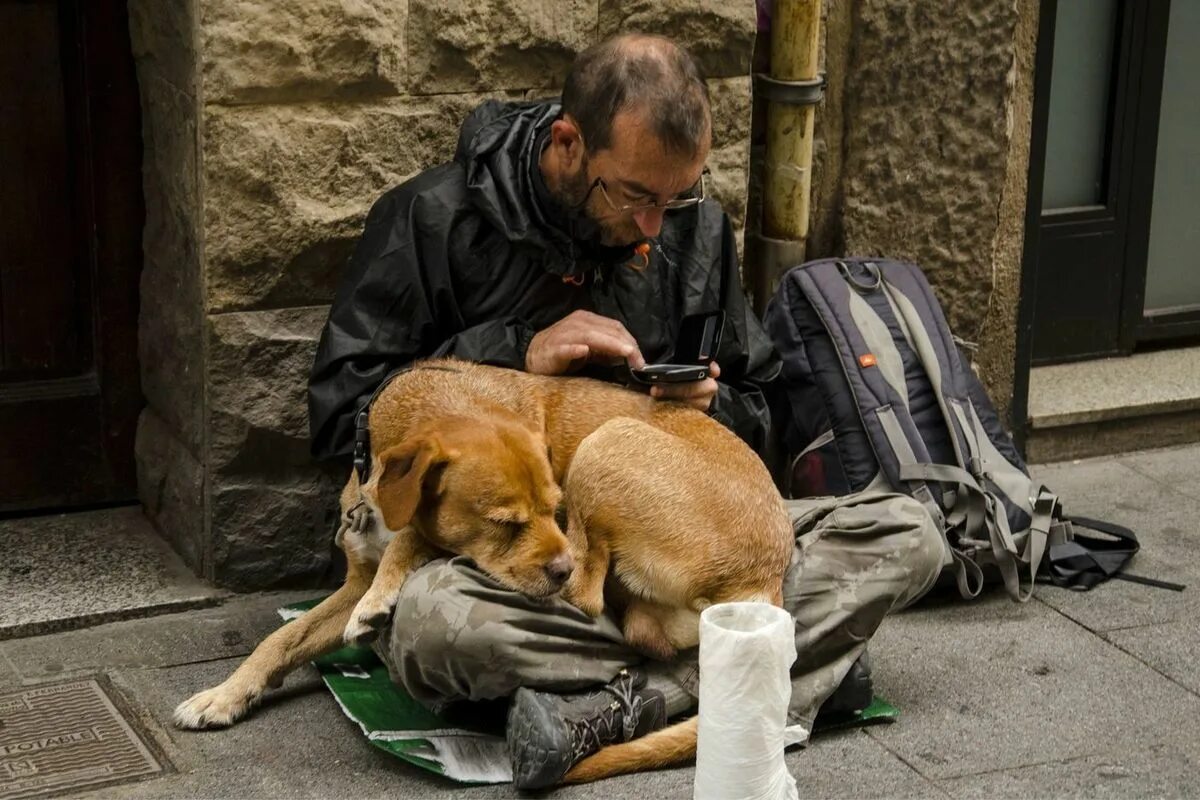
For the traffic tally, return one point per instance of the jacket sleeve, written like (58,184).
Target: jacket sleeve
(501,343)
(748,360)
(394,306)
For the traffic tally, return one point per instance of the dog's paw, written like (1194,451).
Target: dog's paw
(586,595)
(217,707)
(590,603)
(369,617)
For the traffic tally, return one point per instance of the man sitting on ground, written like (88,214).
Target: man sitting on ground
(572,237)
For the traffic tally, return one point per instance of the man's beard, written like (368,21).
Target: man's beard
(573,191)
(573,195)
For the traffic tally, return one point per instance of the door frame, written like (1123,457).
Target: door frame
(1131,152)
(1043,61)
(1138,93)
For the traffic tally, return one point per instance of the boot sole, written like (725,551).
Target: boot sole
(537,742)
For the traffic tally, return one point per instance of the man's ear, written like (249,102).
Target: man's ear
(402,472)
(564,133)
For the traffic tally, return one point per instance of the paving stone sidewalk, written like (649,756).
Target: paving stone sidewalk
(1088,695)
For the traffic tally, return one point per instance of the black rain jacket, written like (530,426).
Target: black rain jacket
(470,259)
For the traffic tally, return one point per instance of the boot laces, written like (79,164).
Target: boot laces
(594,731)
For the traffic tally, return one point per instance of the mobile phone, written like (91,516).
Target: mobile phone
(669,373)
(696,345)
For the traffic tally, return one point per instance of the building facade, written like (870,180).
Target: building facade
(268,129)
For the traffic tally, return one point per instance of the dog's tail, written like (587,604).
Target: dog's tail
(654,750)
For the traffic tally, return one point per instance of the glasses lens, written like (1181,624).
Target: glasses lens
(692,196)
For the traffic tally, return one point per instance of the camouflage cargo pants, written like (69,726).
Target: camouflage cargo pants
(459,635)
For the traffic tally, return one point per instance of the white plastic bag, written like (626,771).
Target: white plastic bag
(746,650)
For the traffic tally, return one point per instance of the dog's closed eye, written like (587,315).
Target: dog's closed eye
(511,522)
(506,516)
(506,534)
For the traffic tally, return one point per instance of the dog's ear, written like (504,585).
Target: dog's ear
(402,474)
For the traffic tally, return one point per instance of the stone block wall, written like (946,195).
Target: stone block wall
(924,154)
(269,129)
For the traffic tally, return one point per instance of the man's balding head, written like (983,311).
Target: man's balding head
(647,75)
(633,135)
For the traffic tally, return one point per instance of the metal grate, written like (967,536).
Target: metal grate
(66,737)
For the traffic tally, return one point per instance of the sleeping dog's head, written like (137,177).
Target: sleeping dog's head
(482,489)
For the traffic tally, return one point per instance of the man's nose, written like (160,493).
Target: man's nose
(649,221)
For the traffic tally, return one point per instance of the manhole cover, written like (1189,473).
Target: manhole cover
(65,737)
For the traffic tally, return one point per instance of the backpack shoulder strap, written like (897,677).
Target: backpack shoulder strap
(991,530)
(868,359)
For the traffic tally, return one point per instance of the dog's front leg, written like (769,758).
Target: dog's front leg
(589,548)
(315,633)
(585,587)
(404,553)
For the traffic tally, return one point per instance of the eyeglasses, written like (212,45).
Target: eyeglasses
(691,197)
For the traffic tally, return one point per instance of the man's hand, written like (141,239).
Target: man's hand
(697,394)
(578,338)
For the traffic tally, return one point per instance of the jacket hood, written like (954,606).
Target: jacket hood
(499,147)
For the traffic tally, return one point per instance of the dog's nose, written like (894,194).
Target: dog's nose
(559,569)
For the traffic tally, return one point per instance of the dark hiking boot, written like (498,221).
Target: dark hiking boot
(854,693)
(550,733)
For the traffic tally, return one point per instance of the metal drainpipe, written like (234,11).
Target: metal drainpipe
(792,91)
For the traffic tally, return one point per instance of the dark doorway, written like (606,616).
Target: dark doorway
(70,254)
(1116,248)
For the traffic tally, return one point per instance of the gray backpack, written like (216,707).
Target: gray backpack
(877,396)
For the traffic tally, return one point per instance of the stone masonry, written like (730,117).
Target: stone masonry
(924,150)
(269,129)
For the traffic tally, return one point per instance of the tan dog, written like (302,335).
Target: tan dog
(468,460)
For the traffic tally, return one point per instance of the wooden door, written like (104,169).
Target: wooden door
(70,254)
